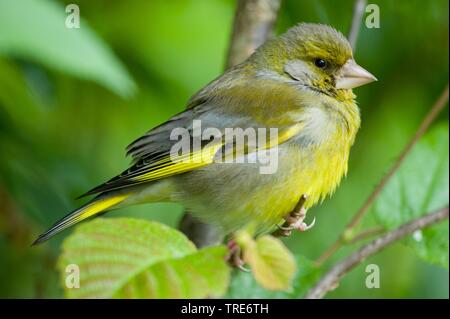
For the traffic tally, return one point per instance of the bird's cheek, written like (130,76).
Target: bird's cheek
(297,70)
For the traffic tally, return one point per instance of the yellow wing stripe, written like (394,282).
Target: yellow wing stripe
(188,162)
(181,164)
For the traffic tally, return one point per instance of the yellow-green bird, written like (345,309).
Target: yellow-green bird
(300,84)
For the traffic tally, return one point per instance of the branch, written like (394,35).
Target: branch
(331,279)
(429,118)
(371,232)
(358,11)
(253,24)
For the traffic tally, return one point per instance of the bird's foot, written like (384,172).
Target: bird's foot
(297,223)
(295,220)
(234,257)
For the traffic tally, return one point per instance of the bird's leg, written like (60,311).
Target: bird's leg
(294,220)
(234,256)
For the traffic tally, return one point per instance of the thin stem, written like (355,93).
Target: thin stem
(429,118)
(331,279)
(366,234)
(358,11)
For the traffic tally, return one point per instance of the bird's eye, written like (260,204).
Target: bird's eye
(320,63)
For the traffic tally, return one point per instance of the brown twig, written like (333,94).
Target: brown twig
(358,11)
(331,279)
(429,118)
(253,24)
(377,230)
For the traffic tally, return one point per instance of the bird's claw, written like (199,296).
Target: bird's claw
(298,225)
(242,268)
(234,256)
(295,221)
(304,227)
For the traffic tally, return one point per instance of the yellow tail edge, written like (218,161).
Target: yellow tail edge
(92,208)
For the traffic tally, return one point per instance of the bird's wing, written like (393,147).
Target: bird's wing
(151,153)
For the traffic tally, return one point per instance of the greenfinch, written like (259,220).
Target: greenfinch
(298,85)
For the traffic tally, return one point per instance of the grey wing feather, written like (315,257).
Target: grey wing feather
(156,144)
(147,150)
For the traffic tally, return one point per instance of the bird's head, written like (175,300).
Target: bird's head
(316,56)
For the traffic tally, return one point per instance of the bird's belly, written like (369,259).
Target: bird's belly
(232,195)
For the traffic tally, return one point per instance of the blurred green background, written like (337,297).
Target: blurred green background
(72,99)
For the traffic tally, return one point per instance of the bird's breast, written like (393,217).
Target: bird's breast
(323,147)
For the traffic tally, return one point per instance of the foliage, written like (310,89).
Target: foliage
(76,51)
(244,285)
(272,265)
(131,258)
(420,186)
(61,134)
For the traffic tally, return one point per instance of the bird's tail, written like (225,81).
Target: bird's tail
(94,207)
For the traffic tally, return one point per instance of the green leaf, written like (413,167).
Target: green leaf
(132,258)
(272,264)
(420,186)
(36,30)
(244,286)
(431,244)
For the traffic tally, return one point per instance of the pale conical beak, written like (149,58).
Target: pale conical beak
(352,75)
